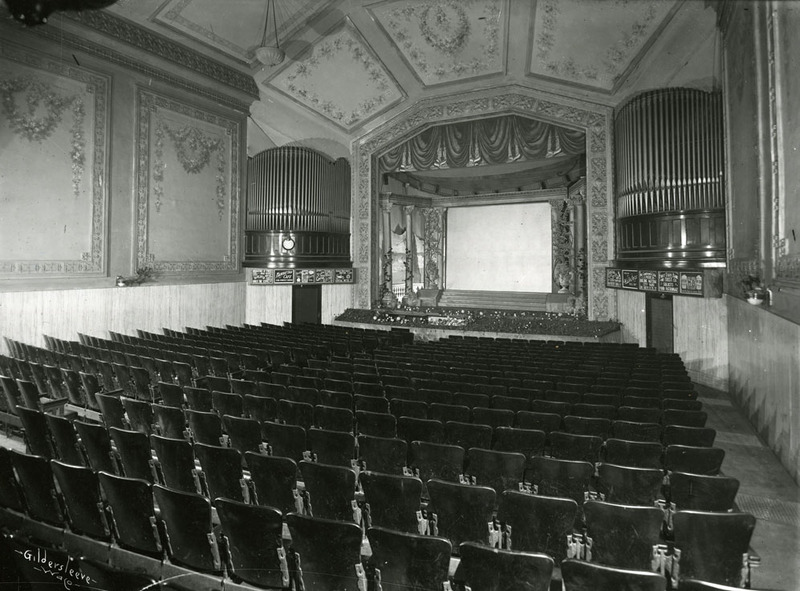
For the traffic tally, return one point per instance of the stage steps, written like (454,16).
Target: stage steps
(494,300)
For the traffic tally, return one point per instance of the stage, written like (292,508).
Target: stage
(434,323)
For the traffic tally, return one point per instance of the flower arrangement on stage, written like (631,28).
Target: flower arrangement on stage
(519,322)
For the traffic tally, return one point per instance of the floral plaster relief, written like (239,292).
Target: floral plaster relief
(566,46)
(341,79)
(446,40)
(52,141)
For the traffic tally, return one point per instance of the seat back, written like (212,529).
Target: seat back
(331,490)
(288,441)
(329,552)
(332,447)
(638,454)
(712,545)
(393,500)
(243,434)
(437,460)
(134,452)
(140,414)
(491,569)
(538,523)
(382,454)
(10,490)
(586,576)
(622,535)
(112,410)
(253,533)
(409,560)
(176,463)
(274,479)
(496,469)
(570,446)
(169,421)
(686,435)
(376,424)
(96,445)
(38,489)
(130,501)
(702,493)
(529,442)
(36,434)
(412,429)
(696,460)
(628,486)
(222,471)
(81,492)
(468,435)
(560,478)
(187,520)
(205,427)
(462,510)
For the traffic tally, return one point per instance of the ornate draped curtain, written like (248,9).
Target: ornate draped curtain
(485,141)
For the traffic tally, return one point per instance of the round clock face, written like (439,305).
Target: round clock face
(288,244)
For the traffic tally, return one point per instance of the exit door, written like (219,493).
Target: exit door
(307,304)
(658,310)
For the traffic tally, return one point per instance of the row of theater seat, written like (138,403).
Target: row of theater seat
(387,370)
(457,512)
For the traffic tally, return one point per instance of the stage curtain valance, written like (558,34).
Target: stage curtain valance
(497,140)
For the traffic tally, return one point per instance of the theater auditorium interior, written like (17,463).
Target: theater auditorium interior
(399,294)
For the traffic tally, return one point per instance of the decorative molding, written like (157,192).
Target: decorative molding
(67,39)
(595,120)
(150,175)
(97,90)
(150,42)
(336,97)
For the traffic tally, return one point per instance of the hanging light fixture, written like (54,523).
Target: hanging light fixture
(270,55)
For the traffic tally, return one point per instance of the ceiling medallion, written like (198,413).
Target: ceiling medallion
(445,26)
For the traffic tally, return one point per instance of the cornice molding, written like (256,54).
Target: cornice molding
(103,52)
(164,48)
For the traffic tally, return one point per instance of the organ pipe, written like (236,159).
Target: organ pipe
(669,173)
(669,152)
(298,192)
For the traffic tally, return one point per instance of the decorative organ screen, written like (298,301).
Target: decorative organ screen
(670,185)
(298,210)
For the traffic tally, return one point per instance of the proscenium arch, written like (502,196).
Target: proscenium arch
(595,120)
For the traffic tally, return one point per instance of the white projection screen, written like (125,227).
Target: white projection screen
(500,248)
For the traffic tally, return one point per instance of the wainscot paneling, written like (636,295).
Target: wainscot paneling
(335,300)
(631,313)
(700,338)
(26,316)
(269,303)
(764,354)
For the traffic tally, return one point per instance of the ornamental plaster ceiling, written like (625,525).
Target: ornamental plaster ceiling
(352,65)
(593,43)
(448,40)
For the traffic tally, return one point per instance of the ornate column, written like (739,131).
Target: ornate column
(387,296)
(411,248)
(577,199)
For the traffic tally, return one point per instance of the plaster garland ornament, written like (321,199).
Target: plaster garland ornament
(29,126)
(26,124)
(194,150)
(450,30)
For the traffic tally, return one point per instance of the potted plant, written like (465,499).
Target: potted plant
(754,289)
